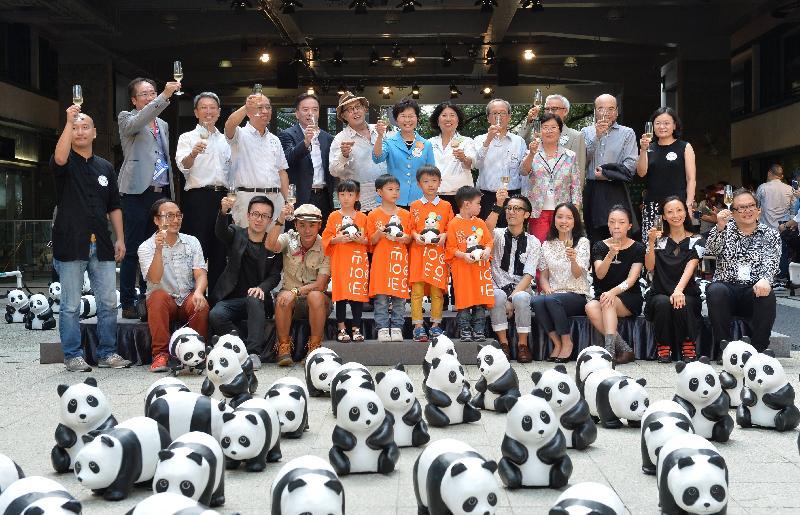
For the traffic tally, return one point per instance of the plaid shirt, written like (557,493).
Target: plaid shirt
(761,251)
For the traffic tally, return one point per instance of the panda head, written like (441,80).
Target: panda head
(55,290)
(18,299)
(83,405)
(699,483)
(321,368)
(233,342)
(181,471)
(439,345)
(446,374)
(88,305)
(697,382)
(395,389)
(188,347)
(590,359)
(290,403)
(629,399)
(559,389)
(764,373)
(243,435)
(55,505)
(469,487)
(87,284)
(222,365)
(735,355)
(312,493)
(99,461)
(39,304)
(660,431)
(532,420)
(492,362)
(360,411)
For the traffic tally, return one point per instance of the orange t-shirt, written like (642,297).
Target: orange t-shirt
(427,261)
(389,272)
(349,261)
(472,282)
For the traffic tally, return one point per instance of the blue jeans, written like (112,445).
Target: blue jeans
(138,227)
(471,319)
(383,317)
(103,275)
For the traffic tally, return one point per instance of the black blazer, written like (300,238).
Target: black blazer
(301,169)
(235,238)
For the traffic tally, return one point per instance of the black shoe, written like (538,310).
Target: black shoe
(130,313)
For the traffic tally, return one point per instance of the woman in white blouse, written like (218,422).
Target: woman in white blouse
(453,153)
(563,279)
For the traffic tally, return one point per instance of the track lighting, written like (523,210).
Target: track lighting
(374,58)
(454,91)
(288,6)
(528,54)
(534,5)
(411,57)
(408,6)
(360,6)
(490,56)
(447,56)
(338,57)
(487,6)
(415,91)
(264,57)
(487,92)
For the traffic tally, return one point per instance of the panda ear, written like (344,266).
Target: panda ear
(481,346)
(227,345)
(769,352)
(165,454)
(105,440)
(339,396)
(221,406)
(344,378)
(457,469)
(234,333)
(337,359)
(34,510)
(679,366)
(745,356)
(607,357)
(87,438)
(273,393)
(294,394)
(723,344)
(642,381)
(560,368)
(490,465)
(704,360)
(746,339)
(91,381)
(435,362)
(252,419)
(294,485)
(717,461)
(536,376)
(400,367)
(209,348)
(379,376)
(61,389)
(434,341)
(538,392)
(558,510)
(195,457)
(367,385)
(227,417)
(683,425)
(214,339)
(684,462)
(72,505)
(622,384)
(511,401)
(655,426)
(334,485)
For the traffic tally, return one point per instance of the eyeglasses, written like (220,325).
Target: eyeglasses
(606,109)
(354,109)
(550,129)
(264,108)
(662,124)
(742,209)
(516,209)
(255,215)
(499,113)
(553,109)
(146,94)
(171,217)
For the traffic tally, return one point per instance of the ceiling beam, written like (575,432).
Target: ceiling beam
(499,22)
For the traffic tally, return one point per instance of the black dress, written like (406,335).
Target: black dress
(666,176)
(632,297)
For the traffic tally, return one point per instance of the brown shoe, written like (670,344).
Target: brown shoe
(625,357)
(285,346)
(504,348)
(524,354)
(314,343)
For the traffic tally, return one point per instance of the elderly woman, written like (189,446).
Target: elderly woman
(404,151)
(553,176)
(454,153)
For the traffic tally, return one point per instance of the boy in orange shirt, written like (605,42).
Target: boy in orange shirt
(429,218)
(468,248)
(389,233)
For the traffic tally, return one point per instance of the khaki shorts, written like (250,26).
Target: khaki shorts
(301,307)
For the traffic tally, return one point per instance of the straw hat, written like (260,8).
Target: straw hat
(348,98)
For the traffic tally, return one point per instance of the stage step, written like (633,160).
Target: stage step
(780,344)
(408,352)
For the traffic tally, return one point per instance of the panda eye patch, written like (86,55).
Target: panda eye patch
(77,467)
(244,441)
(93,467)
(452,376)
(718,493)
(563,387)
(290,415)
(162,485)
(226,442)
(489,360)
(734,359)
(470,504)
(410,387)
(354,414)
(201,355)
(492,498)
(527,423)
(187,488)
(690,496)
(710,380)
(768,370)
(647,403)
(188,356)
(694,383)
(634,405)
(461,369)
(210,364)
(236,349)
(751,374)
(395,393)
(545,417)
(223,362)
(323,376)
(72,406)
(372,408)
(92,401)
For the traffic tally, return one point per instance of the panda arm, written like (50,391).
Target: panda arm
(513,450)
(553,450)
(437,397)
(727,380)
(748,396)
(247,366)
(343,439)
(688,406)
(238,385)
(383,436)
(719,408)
(65,437)
(208,387)
(508,381)
(576,415)
(465,394)
(781,398)
(414,415)
(481,385)
(108,424)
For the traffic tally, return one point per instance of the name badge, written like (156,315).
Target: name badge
(160,168)
(102,180)
(743,274)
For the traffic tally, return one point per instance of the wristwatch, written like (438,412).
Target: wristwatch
(296,292)
(498,210)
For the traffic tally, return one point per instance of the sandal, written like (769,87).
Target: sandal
(342,337)
(688,351)
(357,336)
(664,352)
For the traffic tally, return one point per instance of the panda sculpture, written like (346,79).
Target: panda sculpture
(590,359)
(9,472)
(363,438)
(767,396)
(451,478)
(289,396)
(692,477)
(40,316)
(394,227)
(233,342)
(430,233)
(612,395)
(115,459)
(17,306)
(84,408)
(224,373)
(307,484)
(251,435)
(663,420)
(320,367)
(86,288)
(699,392)
(732,375)
(36,495)
(588,499)
(474,247)
(348,376)
(54,291)
(193,465)
(498,384)
(188,348)
(396,392)
(88,307)
(448,394)
(181,412)
(162,387)
(170,503)
(348,227)
(571,409)
(436,347)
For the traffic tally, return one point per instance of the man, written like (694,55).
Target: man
(203,155)
(243,290)
(776,198)
(175,269)
(747,260)
(86,189)
(258,164)
(145,175)
(306,271)
(611,155)
(499,155)
(307,148)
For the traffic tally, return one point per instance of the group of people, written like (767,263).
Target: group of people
(411,222)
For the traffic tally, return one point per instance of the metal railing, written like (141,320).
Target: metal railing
(24,245)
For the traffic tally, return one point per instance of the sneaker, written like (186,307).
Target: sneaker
(130,313)
(256,361)
(466,335)
(113,360)
(420,335)
(435,331)
(478,337)
(397,334)
(384,335)
(160,363)
(77,364)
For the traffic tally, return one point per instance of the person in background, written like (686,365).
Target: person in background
(776,198)
(709,207)
(453,152)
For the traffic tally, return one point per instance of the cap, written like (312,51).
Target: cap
(348,98)
(308,213)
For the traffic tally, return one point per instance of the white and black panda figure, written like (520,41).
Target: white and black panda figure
(162,387)
(348,227)
(17,306)
(436,347)
(307,484)
(112,461)
(612,396)
(251,435)
(474,247)
(588,499)
(9,472)
(37,495)
(320,367)
(430,233)
(289,396)
(193,465)
(451,478)
(225,373)
(86,289)
(188,348)
(394,227)
(88,307)
(732,375)
(767,396)
(182,412)
(498,383)
(699,392)
(234,342)
(54,296)
(692,477)
(448,394)
(349,376)
(83,408)
(664,419)
(396,391)
(40,317)
(590,359)
(569,407)
(170,503)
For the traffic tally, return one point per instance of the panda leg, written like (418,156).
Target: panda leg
(420,435)
(509,473)
(388,459)
(275,454)
(435,416)
(50,323)
(235,401)
(114,494)
(612,423)
(479,400)
(722,429)
(231,464)
(742,416)
(422,510)
(339,461)
(502,403)
(787,418)
(60,459)
(635,423)
(218,497)
(584,436)
(596,420)
(471,414)
(256,464)
(560,472)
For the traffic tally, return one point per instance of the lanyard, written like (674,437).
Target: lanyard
(550,171)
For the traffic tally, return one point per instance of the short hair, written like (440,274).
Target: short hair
(488,109)
(776,170)
(622,209)
(525,201)
(207,94)
(687,221)
(466,193)
(261,199)
(577,228)
(560,98)
(156,207)
(675,118)
(406,103)
(385,179)
(434,119)
(745,191)
(546,117)
(303,96)
(428,170)
(348,185)
(138,80)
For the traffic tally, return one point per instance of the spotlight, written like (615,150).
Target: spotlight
(487,6)
(472,53)
(415,91)
(264,57)
(487,92)
(360,6)
(338,57)
(374,58)
(408,6)
(359,87)
(397,59)
(534,5)
(490,56)
(454,91)
(411,57)
(528,54)
(225,63)
(570,61)
(310,89)
(241,5)
(342,89)
(386,91)
(447,56)
(288,6)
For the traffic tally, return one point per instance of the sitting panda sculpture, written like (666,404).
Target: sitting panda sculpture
(474,247)
(767,396)
(590,359)
(430,232)
(37,495)
(394,227)
(40,316)
(448,394)
(348,227)
(498,385)
(188,348)
(437,346)
(251,435)
(193,465)
(396,391)
(225,373)
(54,296)
(289,396)
(611,395)
(169,503)
(349,376)
(9,472)
(699,392)
(307,484)
(320,367)
(181,412)
(571,409)
(588,499)
(88,307)
(17,306)
(732,375)
(161,387)
(234,342)
(664,419)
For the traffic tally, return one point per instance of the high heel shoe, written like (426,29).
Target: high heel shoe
(562,360)
(552,359)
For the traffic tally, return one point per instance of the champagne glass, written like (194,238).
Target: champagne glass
(648,135)
(164,224)
(77,98)
(537,130)
(258,90)
(659,222)
(456,142)
(232,191)
(795,184)
(617,241)
(728,200)
(204,134)
(177,73)
(291,197)
(497,141)
(568,241)
(537,99)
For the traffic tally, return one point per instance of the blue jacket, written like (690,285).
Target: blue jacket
(401,162)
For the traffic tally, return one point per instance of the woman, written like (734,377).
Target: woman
(404,151)
(673,304)
(617,263)
(454,153)
(554,177)
(563,279)
(668,167)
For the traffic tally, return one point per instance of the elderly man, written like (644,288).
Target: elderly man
(611,155)
(86,189)
(203,155)
(351,150)
(776,198)
(500,153)
(144,176)
(306,271)
(258,164)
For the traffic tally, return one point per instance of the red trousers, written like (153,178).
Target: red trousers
(539,226)
(162,309)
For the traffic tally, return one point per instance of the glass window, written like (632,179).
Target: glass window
(791,64)
(742,87)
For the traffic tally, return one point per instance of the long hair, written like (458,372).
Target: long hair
(577,229)
(687,225)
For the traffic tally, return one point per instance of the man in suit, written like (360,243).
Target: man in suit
(307,148)
(145,175)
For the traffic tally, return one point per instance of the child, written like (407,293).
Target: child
(468,247)
(388,277)
(429,215)
(349,260)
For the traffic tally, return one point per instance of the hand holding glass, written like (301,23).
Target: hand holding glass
(617,242)
(537,98)
(257,90)
(728,195)
(177,73)
(77,98)
(291,198)
(648,135)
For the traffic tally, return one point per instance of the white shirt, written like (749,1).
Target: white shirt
(454,173)
(499,159)
(179,260)
(529,258)
(211,168)
(256,160)
(359,166)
